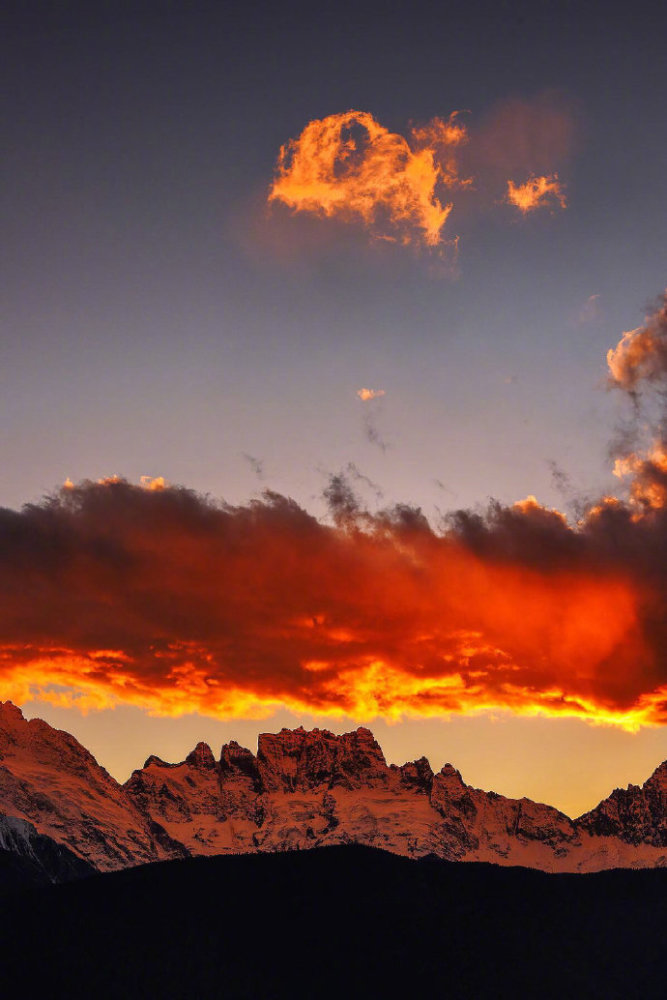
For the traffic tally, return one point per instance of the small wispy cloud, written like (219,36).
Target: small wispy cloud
(256,464)
(560,480)
(372,432)
(366,394)
(536,192)
(590,312)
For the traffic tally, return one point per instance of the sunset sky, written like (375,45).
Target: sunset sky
(378,260)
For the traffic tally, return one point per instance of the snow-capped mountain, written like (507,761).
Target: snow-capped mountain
(31,858)
(50,780)
(313,788)
(304,789)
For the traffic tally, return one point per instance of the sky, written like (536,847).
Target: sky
(372,259)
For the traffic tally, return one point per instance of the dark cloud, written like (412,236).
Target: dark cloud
(157,596)
(166,599)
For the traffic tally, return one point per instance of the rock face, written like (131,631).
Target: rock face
(636,815)
(304,789)
(313,788)
(50,780)
(30,858)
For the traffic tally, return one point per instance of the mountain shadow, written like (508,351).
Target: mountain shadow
(338,922)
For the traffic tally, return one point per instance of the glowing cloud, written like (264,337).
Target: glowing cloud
(401,188)
(348,165)
(648,476)
(114,593)
(641,354)
(164,599)
(153,482)
(366,394)
(637,365)
(536,192)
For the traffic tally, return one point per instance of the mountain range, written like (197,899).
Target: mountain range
(63,815)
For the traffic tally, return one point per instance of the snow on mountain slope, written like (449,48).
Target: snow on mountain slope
(50,780)
(304,789)
(31,858)
(313,788)
(301,789)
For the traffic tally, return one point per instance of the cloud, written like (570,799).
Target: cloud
(349,165)
(590,311)
(366,394)
(647,475)
(638,366)
(256,464)
(521,136)
(372,431)
(560,480)
(641,355)
(536,192)
(445,489)
(162,598)
(353,474)
(150,482)
(403,188)
(165,599)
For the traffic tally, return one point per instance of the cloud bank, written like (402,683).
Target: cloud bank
(112,593)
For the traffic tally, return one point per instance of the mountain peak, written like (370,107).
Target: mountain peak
(201,757)
(450,773)
(50,780)
(154,761)
(658,780)
(300,758)
(417,773)
(10,714)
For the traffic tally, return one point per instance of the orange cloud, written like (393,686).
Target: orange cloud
(349,165)
(641,354)
(638,365)
(158,597)
(401,188)
(366,394)
(111,593)
(536,192)
(153,482)
(648,476)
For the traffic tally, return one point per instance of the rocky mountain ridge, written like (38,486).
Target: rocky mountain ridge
(31,858)
(50,780)
(304,789)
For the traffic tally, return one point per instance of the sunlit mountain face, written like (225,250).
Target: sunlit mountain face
(63,816)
